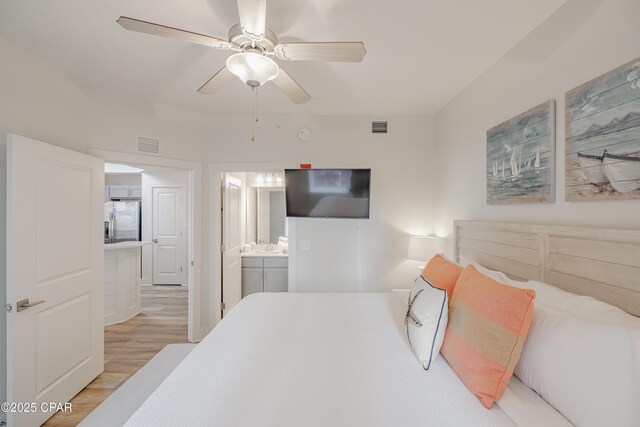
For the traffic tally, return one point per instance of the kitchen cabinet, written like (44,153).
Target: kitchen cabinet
(123,191)
(135,191)
(121,281)
(264,274)
(118,191)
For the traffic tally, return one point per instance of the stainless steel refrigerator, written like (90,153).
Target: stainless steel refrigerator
(122,221)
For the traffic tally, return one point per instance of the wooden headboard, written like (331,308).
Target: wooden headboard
(602,263)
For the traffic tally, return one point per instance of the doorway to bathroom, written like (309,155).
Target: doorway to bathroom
(254,251)
(250,228)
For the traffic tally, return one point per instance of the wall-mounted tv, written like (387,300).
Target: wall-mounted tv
(327,193)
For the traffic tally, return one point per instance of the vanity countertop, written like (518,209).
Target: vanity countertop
(124,245)
(264,254)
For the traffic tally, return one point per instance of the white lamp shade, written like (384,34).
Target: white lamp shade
(252,68)
(423,248)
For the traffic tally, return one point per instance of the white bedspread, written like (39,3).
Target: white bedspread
(312,360)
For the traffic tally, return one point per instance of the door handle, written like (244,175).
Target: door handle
(155,240)
(23,304)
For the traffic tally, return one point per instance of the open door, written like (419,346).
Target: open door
(231,261)
(55,257)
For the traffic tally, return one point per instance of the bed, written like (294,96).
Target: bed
(343,359)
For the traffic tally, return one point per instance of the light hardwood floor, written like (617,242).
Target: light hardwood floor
(131,344)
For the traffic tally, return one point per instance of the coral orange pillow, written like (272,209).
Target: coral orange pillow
(488,325)
(442,273)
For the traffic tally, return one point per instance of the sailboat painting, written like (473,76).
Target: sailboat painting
(521,158)
(602,159)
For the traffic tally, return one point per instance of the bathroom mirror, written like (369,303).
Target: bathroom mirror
(271,221)
(265,204)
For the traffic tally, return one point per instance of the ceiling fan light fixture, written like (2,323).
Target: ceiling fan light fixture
(254,69)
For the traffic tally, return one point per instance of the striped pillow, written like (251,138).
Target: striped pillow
(488,324)
(442,273)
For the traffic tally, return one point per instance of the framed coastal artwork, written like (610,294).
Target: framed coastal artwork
(521,158)
(603,136)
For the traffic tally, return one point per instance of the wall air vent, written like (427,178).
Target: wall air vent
(379,126)
(147,145)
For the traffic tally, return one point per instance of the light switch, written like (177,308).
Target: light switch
(305,245)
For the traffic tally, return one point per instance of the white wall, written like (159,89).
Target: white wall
(122,179)
(39,101)
(3,270)
(582,40)
(117,121)
(403,191)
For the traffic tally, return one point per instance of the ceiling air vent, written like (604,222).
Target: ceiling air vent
(379,126)
(147,145)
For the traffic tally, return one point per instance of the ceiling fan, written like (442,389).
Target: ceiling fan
(255,46)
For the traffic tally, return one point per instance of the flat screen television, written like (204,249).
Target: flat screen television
(327,193)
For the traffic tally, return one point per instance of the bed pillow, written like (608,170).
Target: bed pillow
(488,324)
(580,305)
(496,275)
(426,320)
(442,273)
(589,371)
(556,298)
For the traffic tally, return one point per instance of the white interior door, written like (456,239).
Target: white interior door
(55,260)
(169,236)
(231,261)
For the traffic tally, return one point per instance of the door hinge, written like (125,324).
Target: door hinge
(222,248)
(192,263)
(180,269)
(222,306)
(8,307)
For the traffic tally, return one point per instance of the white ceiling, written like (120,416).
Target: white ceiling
(421,53)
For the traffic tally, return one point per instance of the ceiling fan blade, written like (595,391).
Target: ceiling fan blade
(253,14)
(321,51)
(132,24)
(216,82)
(291,88)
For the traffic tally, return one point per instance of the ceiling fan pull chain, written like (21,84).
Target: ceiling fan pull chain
(255,108)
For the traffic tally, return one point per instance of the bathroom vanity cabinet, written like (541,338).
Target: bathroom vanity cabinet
(267,273)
